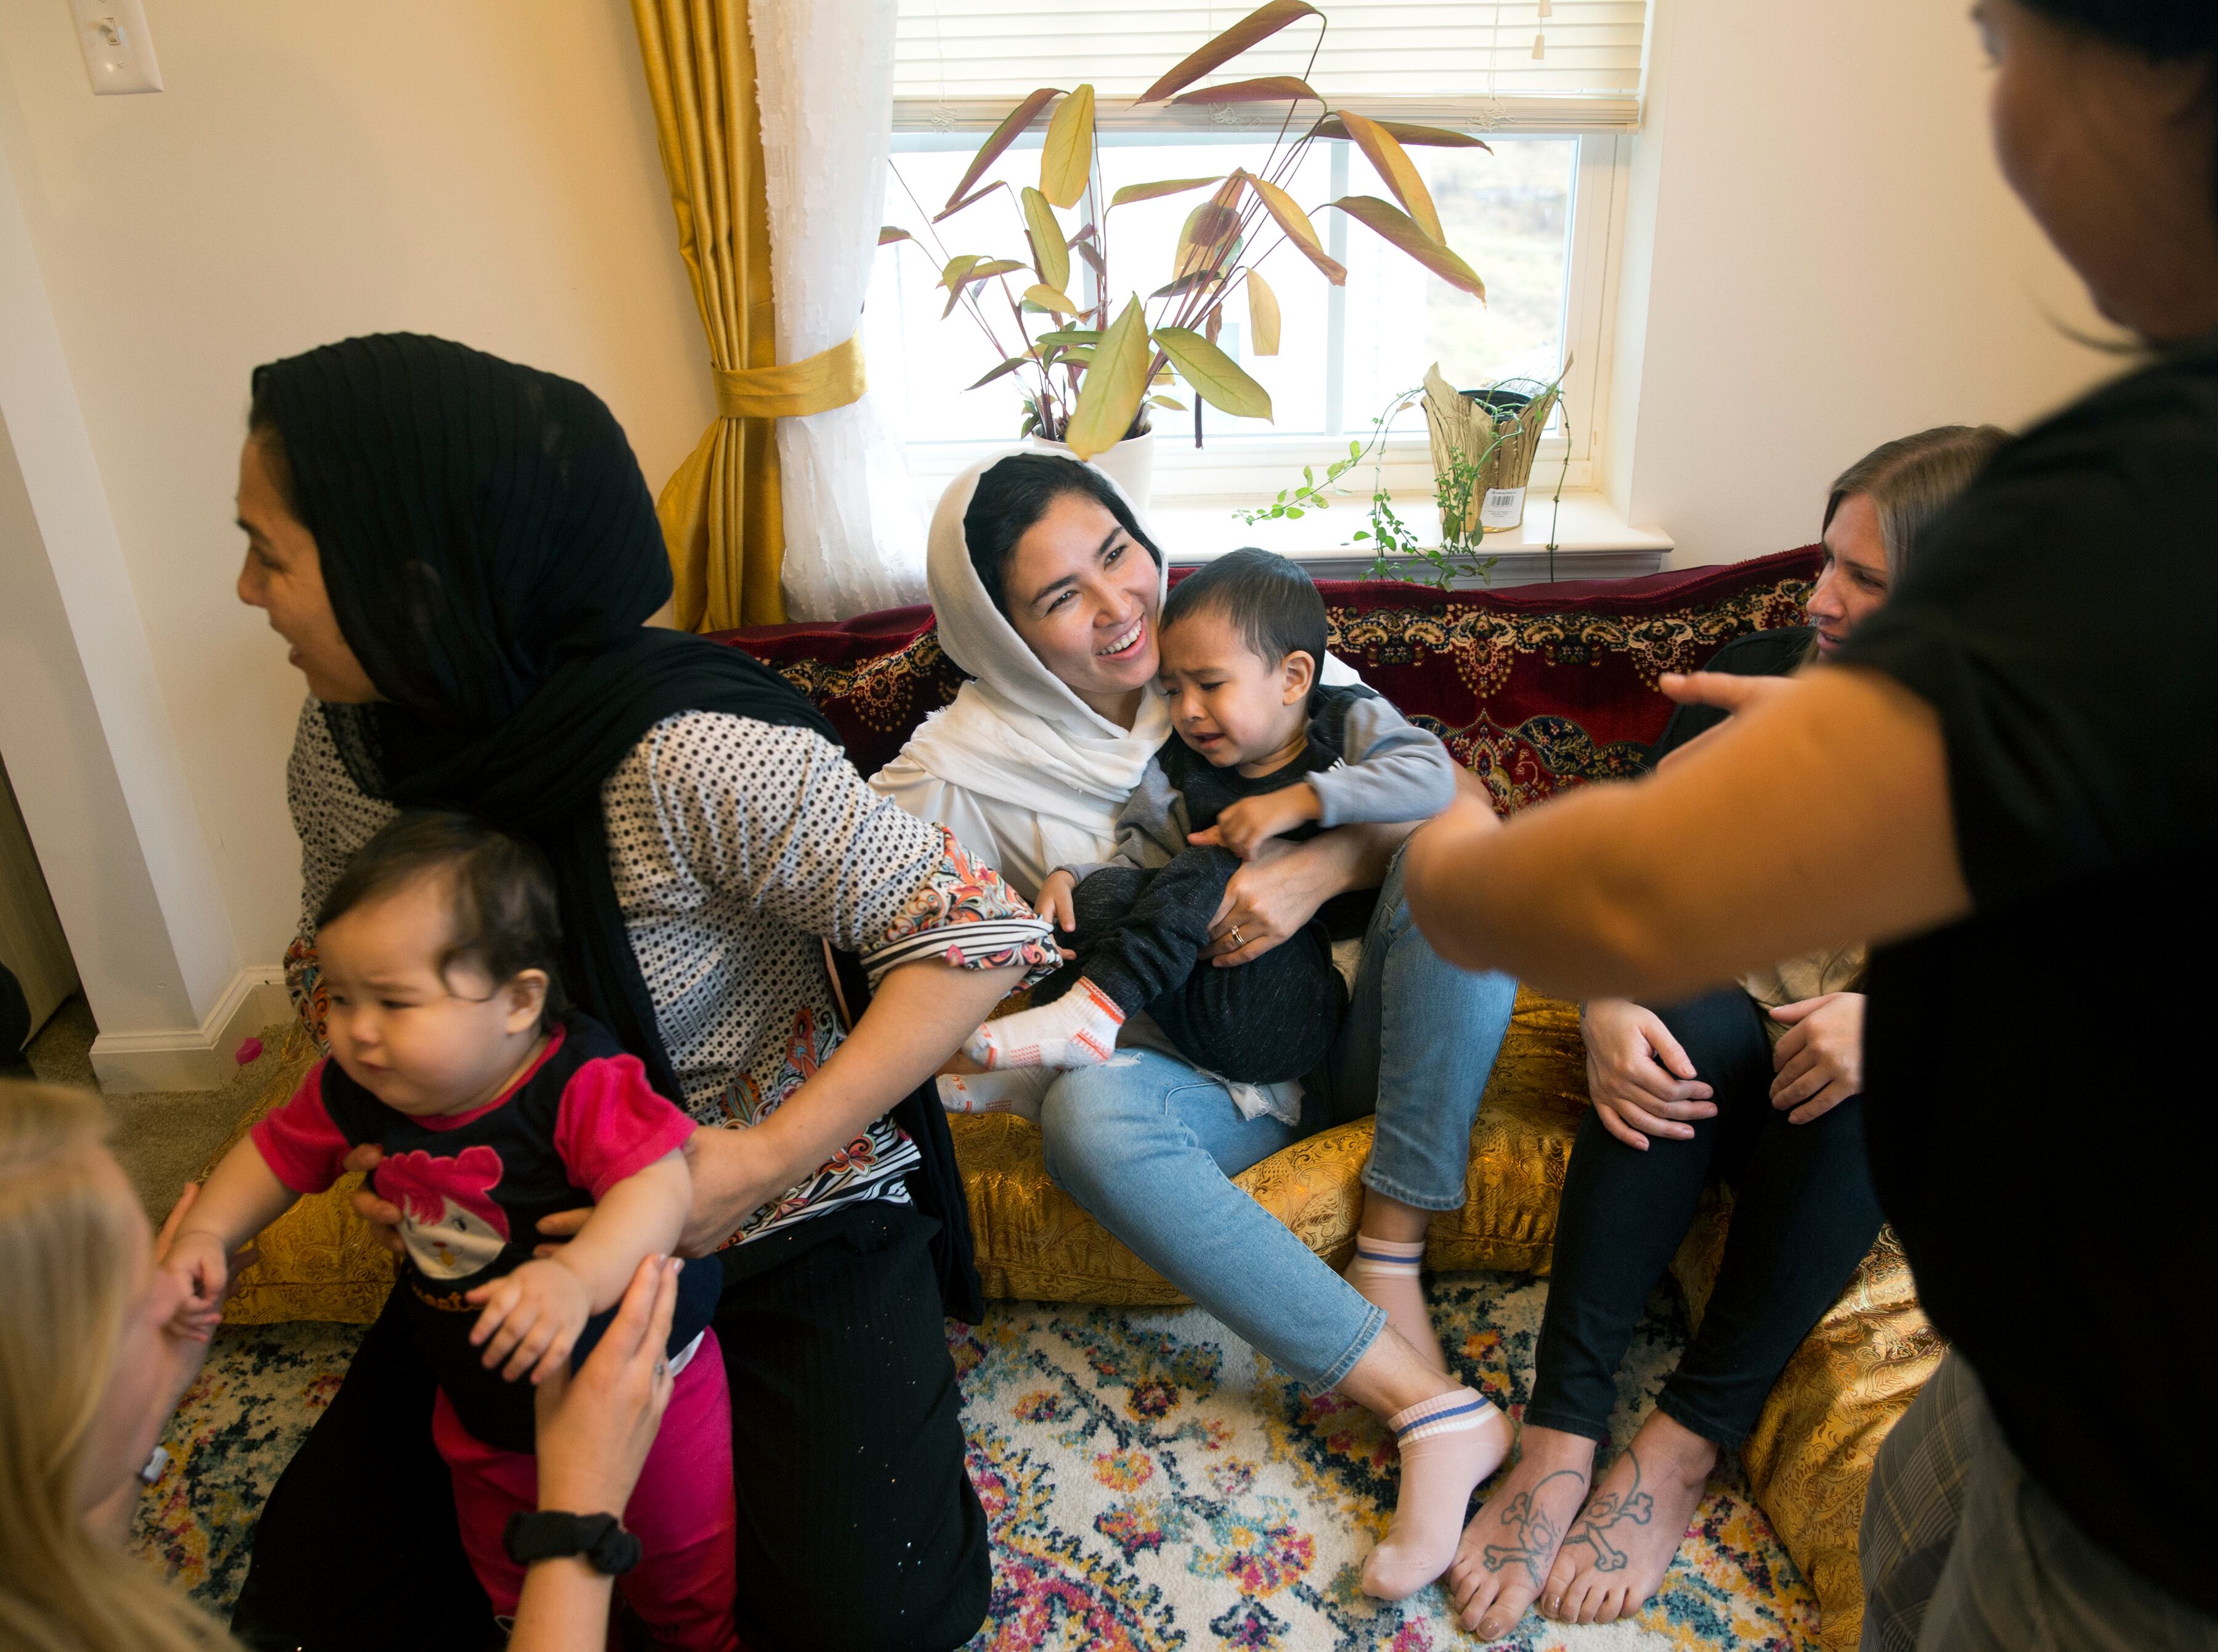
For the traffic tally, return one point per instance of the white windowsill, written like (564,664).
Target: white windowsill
(1593,541)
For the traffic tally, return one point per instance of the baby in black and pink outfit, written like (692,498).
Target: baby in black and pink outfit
(492,1110)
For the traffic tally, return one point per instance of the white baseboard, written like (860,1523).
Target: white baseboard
(194,1058)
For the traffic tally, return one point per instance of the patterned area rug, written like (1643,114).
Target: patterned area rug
(1151,1483)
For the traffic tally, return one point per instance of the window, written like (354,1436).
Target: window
(1536,218)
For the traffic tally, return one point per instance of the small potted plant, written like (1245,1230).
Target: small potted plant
(1491,436)
(1094,373)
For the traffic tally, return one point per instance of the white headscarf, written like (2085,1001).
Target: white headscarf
(1039,766)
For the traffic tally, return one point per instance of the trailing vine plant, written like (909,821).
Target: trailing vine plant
(1399,552)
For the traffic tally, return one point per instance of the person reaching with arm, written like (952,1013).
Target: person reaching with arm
(2018,756)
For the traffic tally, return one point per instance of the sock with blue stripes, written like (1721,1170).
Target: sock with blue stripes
(1386,1271)
(1449,1444)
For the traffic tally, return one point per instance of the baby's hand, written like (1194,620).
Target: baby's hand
(1245,826)
(198,1261)
(533,1318)
(1057,900)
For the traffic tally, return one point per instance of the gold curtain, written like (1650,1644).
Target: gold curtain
(721,514)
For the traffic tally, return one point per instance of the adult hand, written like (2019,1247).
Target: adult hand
(1820,1062)
(1268,900)
(1728,693)
(1640,1079)
(382,1214)
(595,1428)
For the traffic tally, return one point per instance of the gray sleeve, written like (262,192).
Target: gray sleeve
(1390,771)
(1151,828)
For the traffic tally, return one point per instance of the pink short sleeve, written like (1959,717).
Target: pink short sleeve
(611,1125)
(299,1142)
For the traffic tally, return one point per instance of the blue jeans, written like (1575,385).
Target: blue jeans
(1147,1146)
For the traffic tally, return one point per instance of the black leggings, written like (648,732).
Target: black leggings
(1804,1215)
(857,1529)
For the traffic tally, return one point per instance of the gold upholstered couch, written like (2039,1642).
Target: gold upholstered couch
(1488,672)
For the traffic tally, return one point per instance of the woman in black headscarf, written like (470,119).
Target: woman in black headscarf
(464,557)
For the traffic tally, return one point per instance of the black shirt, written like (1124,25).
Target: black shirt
(474,1190)
(1209,791)
(1760,653)
(2040,1097)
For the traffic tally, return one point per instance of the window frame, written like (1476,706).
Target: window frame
(1244,466)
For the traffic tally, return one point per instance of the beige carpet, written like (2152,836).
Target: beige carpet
(162,1138)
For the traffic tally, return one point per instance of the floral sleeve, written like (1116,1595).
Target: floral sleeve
(964,913)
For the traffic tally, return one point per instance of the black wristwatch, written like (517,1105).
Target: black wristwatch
(549,1534)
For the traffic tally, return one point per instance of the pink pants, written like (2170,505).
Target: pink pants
(682,1512)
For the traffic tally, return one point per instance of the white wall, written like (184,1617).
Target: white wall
(1819,256)
(483,169)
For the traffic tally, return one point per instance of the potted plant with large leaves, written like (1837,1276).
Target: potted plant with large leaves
(1093,372)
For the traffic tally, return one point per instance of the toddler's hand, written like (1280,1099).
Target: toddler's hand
(197,1260)
(1245,826)
(532,1318)
(1057,900)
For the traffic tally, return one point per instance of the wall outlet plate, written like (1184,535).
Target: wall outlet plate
(119,52)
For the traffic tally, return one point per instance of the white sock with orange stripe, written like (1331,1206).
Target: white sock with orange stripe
(1449,1443)
(1019,1090)
(1078,1029)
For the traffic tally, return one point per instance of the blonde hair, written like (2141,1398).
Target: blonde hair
(67,1254)
(1910,479)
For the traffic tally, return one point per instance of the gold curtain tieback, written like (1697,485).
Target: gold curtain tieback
(831,378)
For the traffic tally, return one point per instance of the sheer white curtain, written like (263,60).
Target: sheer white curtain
(854,530)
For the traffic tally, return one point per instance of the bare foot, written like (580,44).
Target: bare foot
(1507,1548)
(1615,1555)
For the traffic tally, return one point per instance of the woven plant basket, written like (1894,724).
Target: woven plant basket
(1498,428)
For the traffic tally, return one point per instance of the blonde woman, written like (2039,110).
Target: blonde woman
(91,1370)
(1757,1083)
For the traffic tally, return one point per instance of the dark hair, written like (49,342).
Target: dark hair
(2163,31)
(1267,599)
(1013,495)
(500,894)
(2160,30)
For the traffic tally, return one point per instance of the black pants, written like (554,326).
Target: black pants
(1139,938)
(858,1525)
(1804,1215)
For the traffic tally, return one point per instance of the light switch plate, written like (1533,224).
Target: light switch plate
(119,52)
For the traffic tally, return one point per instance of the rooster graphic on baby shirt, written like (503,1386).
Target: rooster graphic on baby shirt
(448,1217)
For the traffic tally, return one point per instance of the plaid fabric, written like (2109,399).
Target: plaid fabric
(1962,1552)
(1913,1507)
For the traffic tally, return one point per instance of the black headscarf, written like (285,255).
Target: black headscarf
(491,552)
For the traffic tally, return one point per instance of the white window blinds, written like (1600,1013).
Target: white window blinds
(1534,66)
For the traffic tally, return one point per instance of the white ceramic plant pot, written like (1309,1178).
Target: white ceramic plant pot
(1130,464)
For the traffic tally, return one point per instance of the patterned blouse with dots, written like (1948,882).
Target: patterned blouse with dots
(737,847)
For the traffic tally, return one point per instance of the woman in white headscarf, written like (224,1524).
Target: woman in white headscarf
(1047,588)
